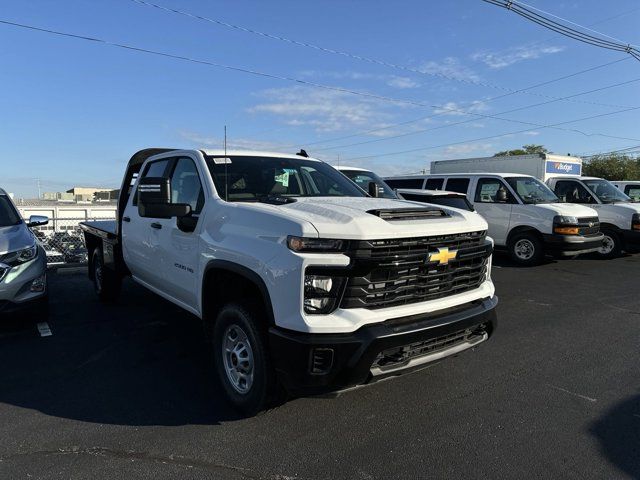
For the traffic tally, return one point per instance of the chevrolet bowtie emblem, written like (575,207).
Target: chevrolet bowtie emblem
(443,256)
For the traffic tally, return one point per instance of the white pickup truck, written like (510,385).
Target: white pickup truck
(301,279)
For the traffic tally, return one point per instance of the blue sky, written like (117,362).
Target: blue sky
(72,112)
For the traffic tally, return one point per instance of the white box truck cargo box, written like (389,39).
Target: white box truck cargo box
(540,165)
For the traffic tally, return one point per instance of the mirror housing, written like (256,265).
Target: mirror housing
(37,221)
(375,190)
(154,199)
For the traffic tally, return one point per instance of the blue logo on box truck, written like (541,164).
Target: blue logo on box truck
(564,168)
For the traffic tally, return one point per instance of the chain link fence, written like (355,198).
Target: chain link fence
(63,241)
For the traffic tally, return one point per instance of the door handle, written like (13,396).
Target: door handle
(157,226)
(126,219)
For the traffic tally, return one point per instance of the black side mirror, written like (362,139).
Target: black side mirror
(154,199)
(375,190)
(37,221)
(502,196)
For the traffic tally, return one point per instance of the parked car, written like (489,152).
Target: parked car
(23,265)
(301,279)
(523,214)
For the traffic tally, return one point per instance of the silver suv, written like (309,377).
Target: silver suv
(23,263)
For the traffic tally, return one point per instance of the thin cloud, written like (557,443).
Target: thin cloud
(510,56)
(450,67)
(203,140)
(402,82)
(456,109)
(324,111)
(467,148)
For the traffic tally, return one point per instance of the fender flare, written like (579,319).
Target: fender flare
(245,272)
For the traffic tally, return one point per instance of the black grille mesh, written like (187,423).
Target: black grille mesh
(397,272)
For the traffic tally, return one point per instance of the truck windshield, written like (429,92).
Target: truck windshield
(532,190)
(362,178)
(606,191)
(8,214)
(254,179)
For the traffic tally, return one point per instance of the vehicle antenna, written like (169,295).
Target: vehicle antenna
(226,162)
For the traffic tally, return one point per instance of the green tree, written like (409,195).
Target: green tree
(612,166)
(525,150)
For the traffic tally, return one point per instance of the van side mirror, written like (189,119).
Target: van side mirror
(37,221)
(154,199)
(502,196)
(375,190)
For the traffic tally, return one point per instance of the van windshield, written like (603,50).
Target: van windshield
(532,190)
(606,191)
(8,214)
(256,179)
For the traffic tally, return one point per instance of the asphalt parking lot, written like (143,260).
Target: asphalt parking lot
(125,391)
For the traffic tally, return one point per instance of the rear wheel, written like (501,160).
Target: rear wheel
(526,249)
(106,283)
(611,245)
(242,360)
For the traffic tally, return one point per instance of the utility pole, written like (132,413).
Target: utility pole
(39,192)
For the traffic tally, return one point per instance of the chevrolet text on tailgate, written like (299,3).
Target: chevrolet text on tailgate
(304,283)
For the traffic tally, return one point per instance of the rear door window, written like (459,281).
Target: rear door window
(459,185)
(434,183)
(405,183)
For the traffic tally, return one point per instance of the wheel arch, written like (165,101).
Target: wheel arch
(523,229)
(230,280)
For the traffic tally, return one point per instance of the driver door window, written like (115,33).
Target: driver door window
(571,191)
(186,186)
(492,190)
(493,201)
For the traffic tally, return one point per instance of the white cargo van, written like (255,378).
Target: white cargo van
(619,217)
(523,214)
(629,188)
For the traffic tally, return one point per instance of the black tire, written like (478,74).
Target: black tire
(106,283)
(526,249)
(253,363)
(611,245)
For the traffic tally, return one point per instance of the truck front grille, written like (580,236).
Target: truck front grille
(395,272)
(589,225)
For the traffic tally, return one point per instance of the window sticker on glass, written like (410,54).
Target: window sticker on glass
(283,178)
(221,160)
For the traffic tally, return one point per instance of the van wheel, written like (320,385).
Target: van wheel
(611,245)
(105,281)
(526,249)
(241,359)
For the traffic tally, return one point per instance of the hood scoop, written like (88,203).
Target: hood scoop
(408,213)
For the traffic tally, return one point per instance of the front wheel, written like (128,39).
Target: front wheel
(526,249)
(106,283)
(611,245)
(241,359)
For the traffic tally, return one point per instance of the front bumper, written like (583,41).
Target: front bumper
(314,363)
(570,245)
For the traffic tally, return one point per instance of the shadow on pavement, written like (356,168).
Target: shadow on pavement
(139,362)
(618,432)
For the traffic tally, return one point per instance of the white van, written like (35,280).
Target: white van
(619,216)
(629,188)
(524,216)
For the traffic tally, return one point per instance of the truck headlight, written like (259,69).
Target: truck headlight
(635,221)
(563,225)
(322,293)
(315,245)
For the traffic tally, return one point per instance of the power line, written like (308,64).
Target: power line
(490,99)
(521,9)
(627,150)
(335,52)
(500,135)
(494,117)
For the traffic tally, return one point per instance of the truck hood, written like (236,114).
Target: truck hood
(351,218)
(15,237)
(568,209)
